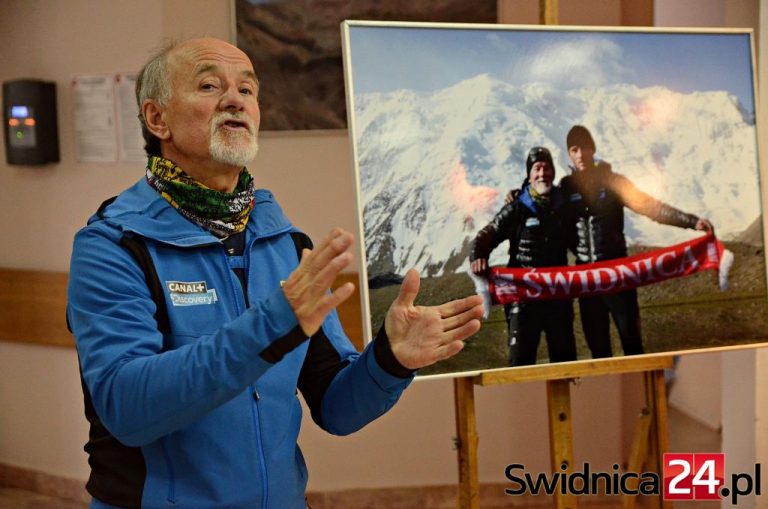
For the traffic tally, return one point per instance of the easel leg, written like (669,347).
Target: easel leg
(656,400)
(650,440)
(637,455)
(561,435)
(466,427)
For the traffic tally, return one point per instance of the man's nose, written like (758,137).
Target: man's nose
(232,100)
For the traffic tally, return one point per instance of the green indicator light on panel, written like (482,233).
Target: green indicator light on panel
(19,134)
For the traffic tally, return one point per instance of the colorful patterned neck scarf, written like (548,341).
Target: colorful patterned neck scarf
(223,214)
(542,200)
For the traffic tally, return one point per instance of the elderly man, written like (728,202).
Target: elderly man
(599,196)
(538,227)
(196,321)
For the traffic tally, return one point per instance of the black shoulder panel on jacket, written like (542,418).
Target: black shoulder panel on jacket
(104,205)
(301,241)
(138,249)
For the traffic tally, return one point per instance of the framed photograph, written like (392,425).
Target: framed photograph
(589,178)
(295,48)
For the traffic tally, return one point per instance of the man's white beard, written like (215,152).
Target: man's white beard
(542,188)
(235,148)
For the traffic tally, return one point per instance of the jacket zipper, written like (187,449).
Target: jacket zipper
(259,444)
(590,238)
(171,476)
(252,387)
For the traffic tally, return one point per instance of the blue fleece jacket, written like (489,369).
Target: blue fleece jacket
(214,418)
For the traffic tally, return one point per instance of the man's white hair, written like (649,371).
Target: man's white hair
(154,83)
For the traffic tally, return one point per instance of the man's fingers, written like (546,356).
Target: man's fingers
(703,224)
(311,298)
(479,266)
(408,289)
(448,350)
(307,287)
(464,332)
(330,250)
(456,307)
(323,279)
(332,300)
(337,242)
(313,262)
(452,322)
(311,315)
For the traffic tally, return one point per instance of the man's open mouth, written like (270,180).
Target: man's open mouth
(235,125)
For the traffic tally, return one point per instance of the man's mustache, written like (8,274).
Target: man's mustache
(221,118)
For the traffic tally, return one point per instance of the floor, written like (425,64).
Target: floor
(685,435)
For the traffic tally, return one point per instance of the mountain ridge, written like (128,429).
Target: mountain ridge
(434,167)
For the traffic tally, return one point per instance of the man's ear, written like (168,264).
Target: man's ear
(154,118)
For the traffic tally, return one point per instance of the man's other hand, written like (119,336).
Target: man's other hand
(511,196)
(704,225)
(307,287)
(479,266)
(422,335)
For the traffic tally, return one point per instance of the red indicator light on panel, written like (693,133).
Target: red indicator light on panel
(13,122)
(29,121)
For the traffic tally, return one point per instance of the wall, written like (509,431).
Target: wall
(583,12)
(698,400)
(706,13)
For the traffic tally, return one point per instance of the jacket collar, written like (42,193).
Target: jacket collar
(527,200)
(142,211)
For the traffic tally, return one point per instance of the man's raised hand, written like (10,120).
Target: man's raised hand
(422,335)
(704,225)
(307,287)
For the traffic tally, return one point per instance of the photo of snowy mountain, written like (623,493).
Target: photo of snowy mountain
(427,192)
(442,118)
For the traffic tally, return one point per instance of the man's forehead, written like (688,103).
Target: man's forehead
(202,55)
(207,67)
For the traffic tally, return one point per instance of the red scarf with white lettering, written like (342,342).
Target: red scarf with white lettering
(508,285)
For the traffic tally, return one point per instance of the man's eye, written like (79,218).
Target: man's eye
(207,86)
(246,91)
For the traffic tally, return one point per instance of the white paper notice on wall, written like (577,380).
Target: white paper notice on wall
(95,118)
(130,142)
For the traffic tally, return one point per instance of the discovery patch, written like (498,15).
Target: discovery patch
(193,293)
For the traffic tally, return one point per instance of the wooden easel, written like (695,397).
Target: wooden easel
(649,441)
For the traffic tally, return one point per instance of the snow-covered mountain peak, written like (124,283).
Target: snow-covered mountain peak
(434,167)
